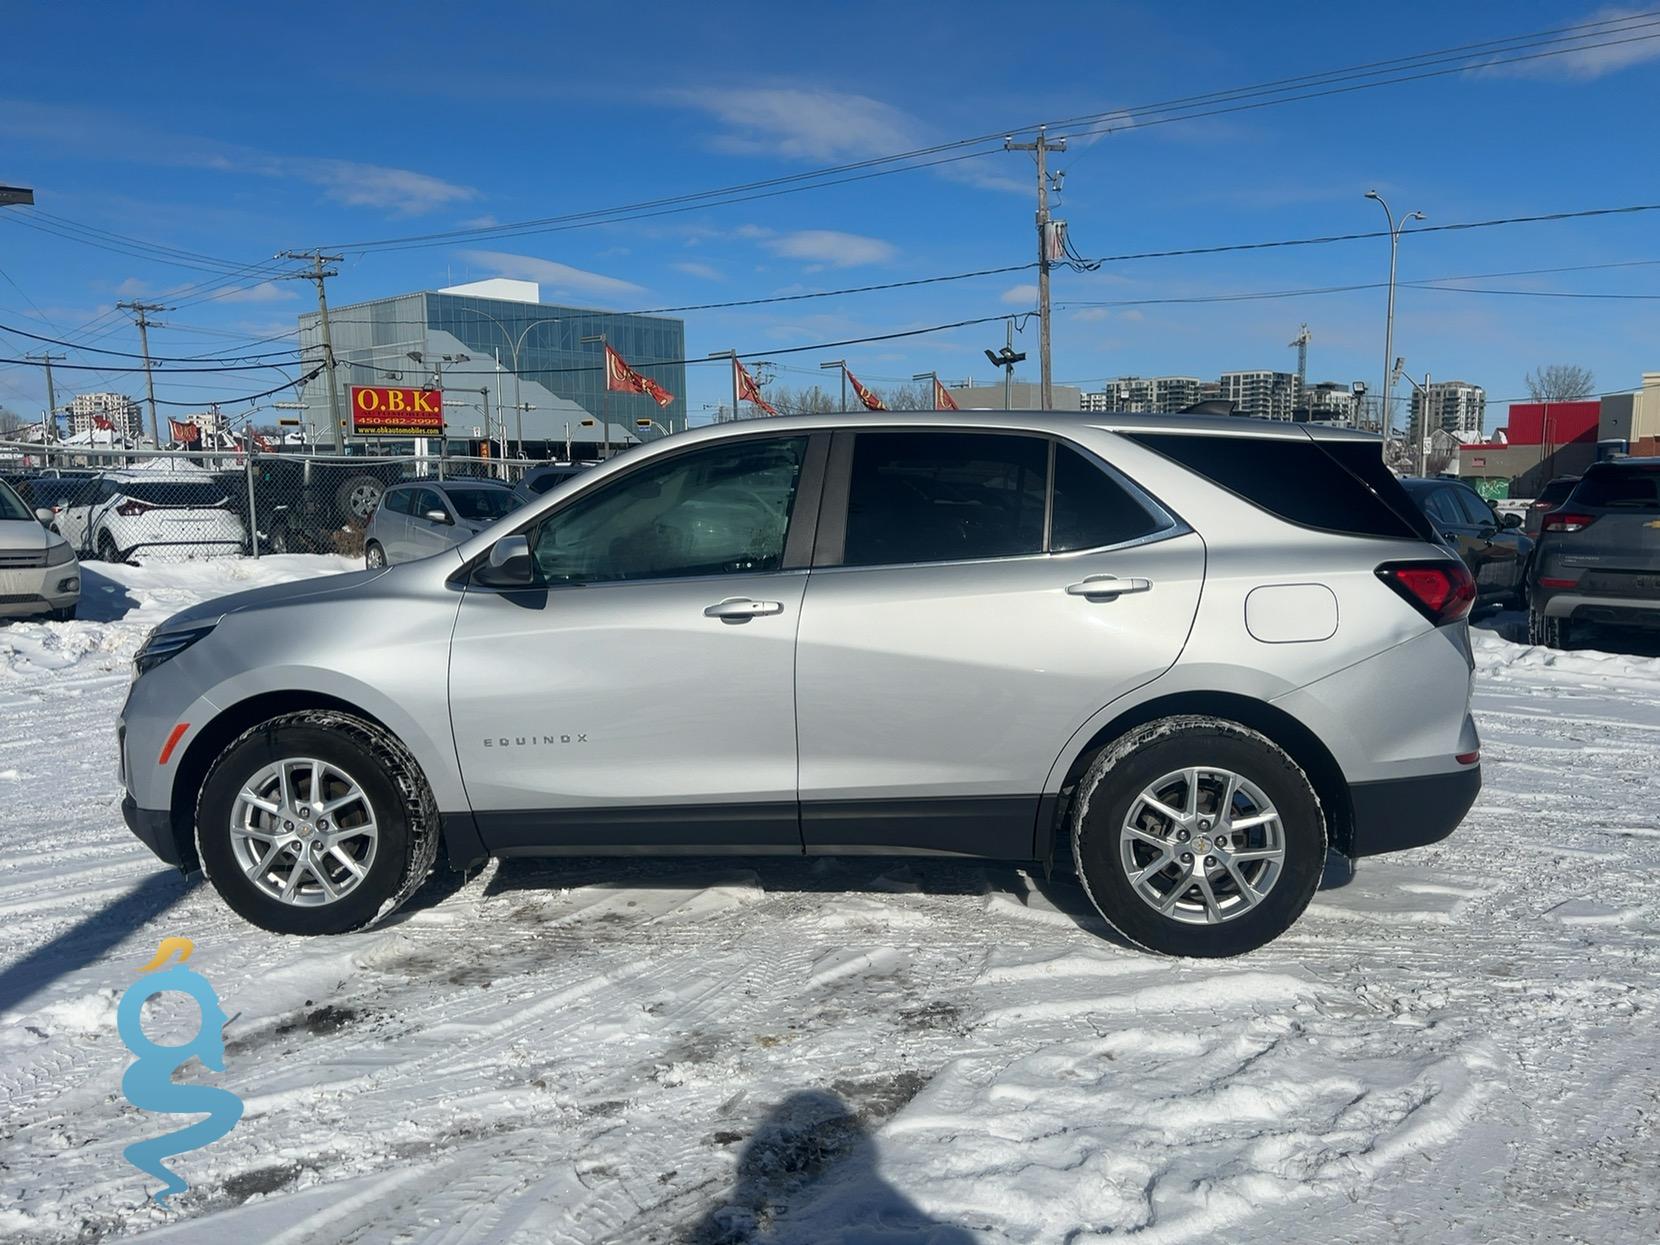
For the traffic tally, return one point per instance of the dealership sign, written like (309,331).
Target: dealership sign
(388,411)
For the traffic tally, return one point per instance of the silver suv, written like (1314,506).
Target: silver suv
(1196,651)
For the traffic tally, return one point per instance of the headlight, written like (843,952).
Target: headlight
(58,554)
(164,646)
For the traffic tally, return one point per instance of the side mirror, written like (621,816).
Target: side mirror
(438,516)
(1512,520)
(44,515)
(509,565)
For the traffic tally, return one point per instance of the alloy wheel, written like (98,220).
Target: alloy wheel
(1202,845)
(303,831)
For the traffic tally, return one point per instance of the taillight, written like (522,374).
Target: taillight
(129,508)
(1568,521)
(1442,592)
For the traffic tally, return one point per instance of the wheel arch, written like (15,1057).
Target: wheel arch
(1300,743)
(217,734)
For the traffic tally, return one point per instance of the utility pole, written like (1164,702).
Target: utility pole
(319,271)
(838,363)
(49,425)
(140,311)
(1041,147)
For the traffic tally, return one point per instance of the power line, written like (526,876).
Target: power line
(1236,99)
(127,354)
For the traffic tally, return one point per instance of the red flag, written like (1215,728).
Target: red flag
(871,401)
(620,378)
(943,401)
(748,390)
(260,443)
(185,433)
(102,423)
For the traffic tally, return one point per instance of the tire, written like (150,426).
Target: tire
(277,542)
(1546,631)
(1116,785)
(392,791)
(107,551)
(66,613)
(374,556)
(357,498)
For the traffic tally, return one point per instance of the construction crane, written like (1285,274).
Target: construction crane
(1301,342)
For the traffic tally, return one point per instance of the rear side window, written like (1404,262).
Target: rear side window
(1335,486)
(1619,486)
(944,497)
(398,500)
(190,494)
(1092,509)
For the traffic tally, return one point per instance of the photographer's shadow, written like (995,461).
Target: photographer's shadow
(808,1176)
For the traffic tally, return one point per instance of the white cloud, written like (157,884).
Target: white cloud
(1020,295)
(558,278)
(1131,314)
(1585,63)
(806,123)
(830,247)
(692,268)
(264,292)
(1091,314)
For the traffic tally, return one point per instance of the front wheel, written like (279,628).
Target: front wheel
(374,556)
(316,823)
(1198,836)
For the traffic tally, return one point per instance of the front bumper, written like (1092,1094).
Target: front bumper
(154,829)
(37,589)
(1398,813)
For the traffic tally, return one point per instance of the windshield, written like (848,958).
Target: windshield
(1619,486)
(11,505)
(481,504)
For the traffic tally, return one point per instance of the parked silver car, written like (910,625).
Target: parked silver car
(1202,650)
(39,573)
(421,519)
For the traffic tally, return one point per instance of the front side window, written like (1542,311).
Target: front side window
(11,505)
(1440,506)
(427,499)
(1475,510)
(722,510)
(944,497)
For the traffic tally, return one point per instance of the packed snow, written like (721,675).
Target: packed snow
(1455,1044)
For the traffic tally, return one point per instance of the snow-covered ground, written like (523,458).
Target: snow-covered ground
(1460,1044)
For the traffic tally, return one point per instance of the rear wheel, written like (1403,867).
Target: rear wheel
(107,551)
(316,823)
(1546,630)
(1198,836)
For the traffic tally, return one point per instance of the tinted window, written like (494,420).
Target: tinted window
(723,510)
(1439,506)
(1338,486)
(11,505)
(944,496)
(1556,490)
(428,499)
(399,500)
(1092,509)
(1619,485)
(1475,510)
(191,494)
(481,504)
(542,483)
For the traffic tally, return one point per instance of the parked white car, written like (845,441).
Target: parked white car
(168,514)
(38,570)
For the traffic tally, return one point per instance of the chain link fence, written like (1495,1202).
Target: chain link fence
(130,505)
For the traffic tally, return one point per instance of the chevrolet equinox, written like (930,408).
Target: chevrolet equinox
(1202,650)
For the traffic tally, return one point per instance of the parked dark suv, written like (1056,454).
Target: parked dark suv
(1599,554)
(1490,544)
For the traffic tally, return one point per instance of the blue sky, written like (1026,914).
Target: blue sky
(239,131)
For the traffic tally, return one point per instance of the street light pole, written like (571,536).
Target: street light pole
(605,393)
(934,388)
(1395,231)
(841,363)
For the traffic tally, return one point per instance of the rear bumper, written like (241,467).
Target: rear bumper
(1398,813)
(1588,607)
(154,829)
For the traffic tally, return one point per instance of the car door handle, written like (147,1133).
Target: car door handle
(736,609)
(1107,586)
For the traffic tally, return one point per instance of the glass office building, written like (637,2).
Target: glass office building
(472,339)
